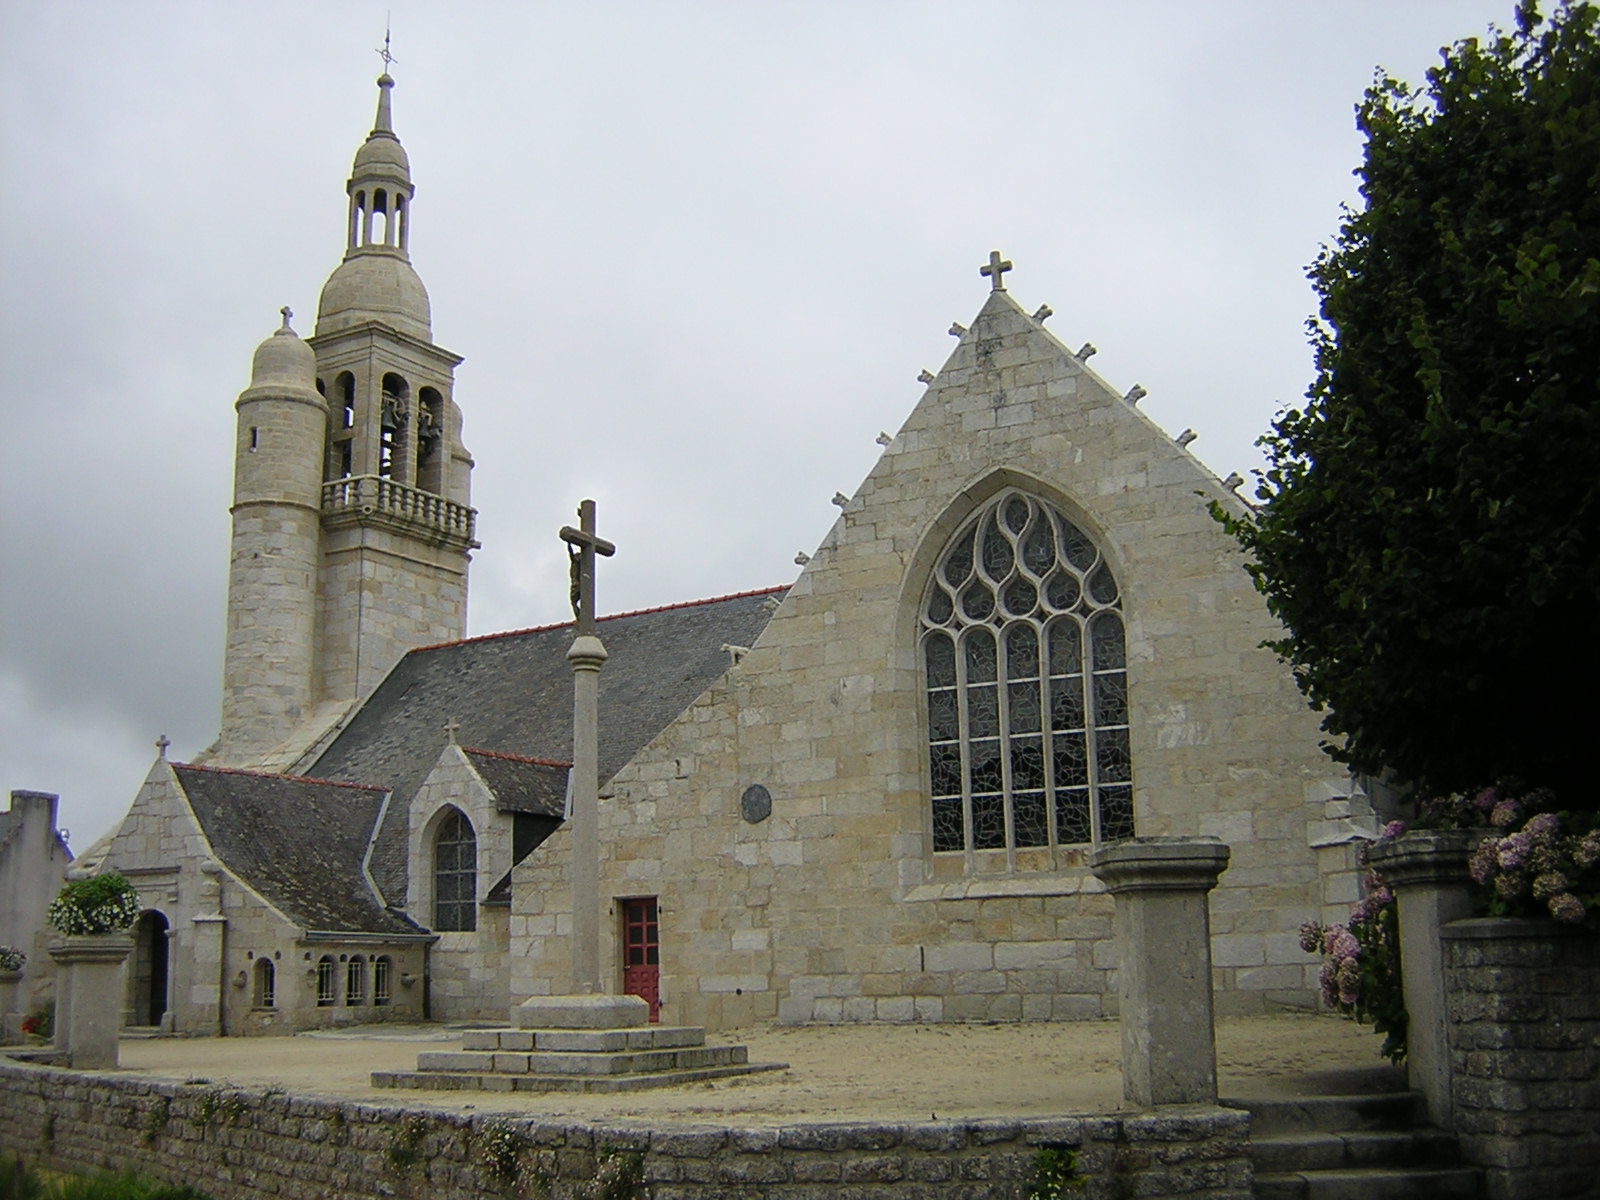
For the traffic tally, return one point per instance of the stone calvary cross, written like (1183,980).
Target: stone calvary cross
(582,545)
(586,655)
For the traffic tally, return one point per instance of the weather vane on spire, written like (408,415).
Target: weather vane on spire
(388,59)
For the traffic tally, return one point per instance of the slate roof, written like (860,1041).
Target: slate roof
(521,784)
(511,693)
(298,842)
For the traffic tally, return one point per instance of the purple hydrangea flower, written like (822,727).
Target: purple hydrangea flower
(1564,906)
(1587,852)
(1392,830)
(1512,852)
(1505,814)
(1544,823)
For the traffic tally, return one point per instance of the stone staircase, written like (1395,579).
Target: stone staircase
(574,1060)
(1353,1147)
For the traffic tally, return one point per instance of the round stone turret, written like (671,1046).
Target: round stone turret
(284,360)
(268,664)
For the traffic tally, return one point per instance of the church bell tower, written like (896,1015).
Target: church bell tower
(360,484)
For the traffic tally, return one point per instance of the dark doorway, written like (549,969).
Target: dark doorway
(641,953)
(150,960)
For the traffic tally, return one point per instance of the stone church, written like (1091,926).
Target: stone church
(865,796)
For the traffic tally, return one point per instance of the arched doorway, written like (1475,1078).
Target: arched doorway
(150,963)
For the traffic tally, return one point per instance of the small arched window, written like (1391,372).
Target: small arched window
(327,982)
(355,980)
(1026,674)
(266,984)
(455,875)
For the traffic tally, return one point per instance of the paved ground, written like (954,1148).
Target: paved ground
(835,1073)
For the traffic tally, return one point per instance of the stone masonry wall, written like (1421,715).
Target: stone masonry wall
(248,1145)
(1524,1008)
(834,908)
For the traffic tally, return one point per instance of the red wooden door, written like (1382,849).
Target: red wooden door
(641,953)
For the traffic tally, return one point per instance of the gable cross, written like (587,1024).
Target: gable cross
(451,728)
(996,271)
(582,545)
(162,743)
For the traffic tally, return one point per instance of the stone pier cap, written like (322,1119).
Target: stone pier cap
(584,1011)
(1420,857)
(1160,864)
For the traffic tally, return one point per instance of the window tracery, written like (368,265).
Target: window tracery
(455,875)
(1025,666)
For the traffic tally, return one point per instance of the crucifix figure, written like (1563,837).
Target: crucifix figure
(582,545)
(995,271)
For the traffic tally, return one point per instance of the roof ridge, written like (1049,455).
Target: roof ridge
(363,787)
(521,758)
(636,612)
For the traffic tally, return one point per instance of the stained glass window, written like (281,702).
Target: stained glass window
(1025,663)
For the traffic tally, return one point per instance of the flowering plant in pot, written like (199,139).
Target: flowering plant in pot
(100,904)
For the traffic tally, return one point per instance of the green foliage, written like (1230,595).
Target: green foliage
(403,1151)
(155,1121)
(21,1182)
(1055,1173)
(100,904)
(1430,527)
(500,1145)
(619,1175)
(205,1109)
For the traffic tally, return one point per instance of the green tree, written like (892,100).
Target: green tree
(1429,526)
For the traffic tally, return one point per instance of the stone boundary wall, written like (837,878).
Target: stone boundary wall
(1524,1012)
(245,1144)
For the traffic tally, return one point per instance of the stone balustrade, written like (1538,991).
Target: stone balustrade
(364,496)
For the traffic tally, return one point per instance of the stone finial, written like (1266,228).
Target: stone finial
(287,313)
(841,499)
(1086,351)
(995,271)
(1187,436)
(734,653)
(925,376)
(1043,313)
(162,743)
(451,728)
(801,558)
(1136,393)
(1234,481)
(883,438)
(772,603)
(957,329)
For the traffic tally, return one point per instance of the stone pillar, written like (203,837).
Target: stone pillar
(1163,927)
(1524,1000)
(1427,871)
(587,655)
(204,977)
(89,1000)
(10,1004)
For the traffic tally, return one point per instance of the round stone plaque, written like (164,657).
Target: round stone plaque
(756,804)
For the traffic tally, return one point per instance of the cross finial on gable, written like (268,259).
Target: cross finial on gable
(162,743)
(287,313)
(451,728)
(995,271)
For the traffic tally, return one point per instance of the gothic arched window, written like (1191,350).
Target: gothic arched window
(1026,673)
(455,875)
(327,982)
(355,980)
(266,988)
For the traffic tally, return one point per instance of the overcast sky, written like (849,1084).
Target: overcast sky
(695,255)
